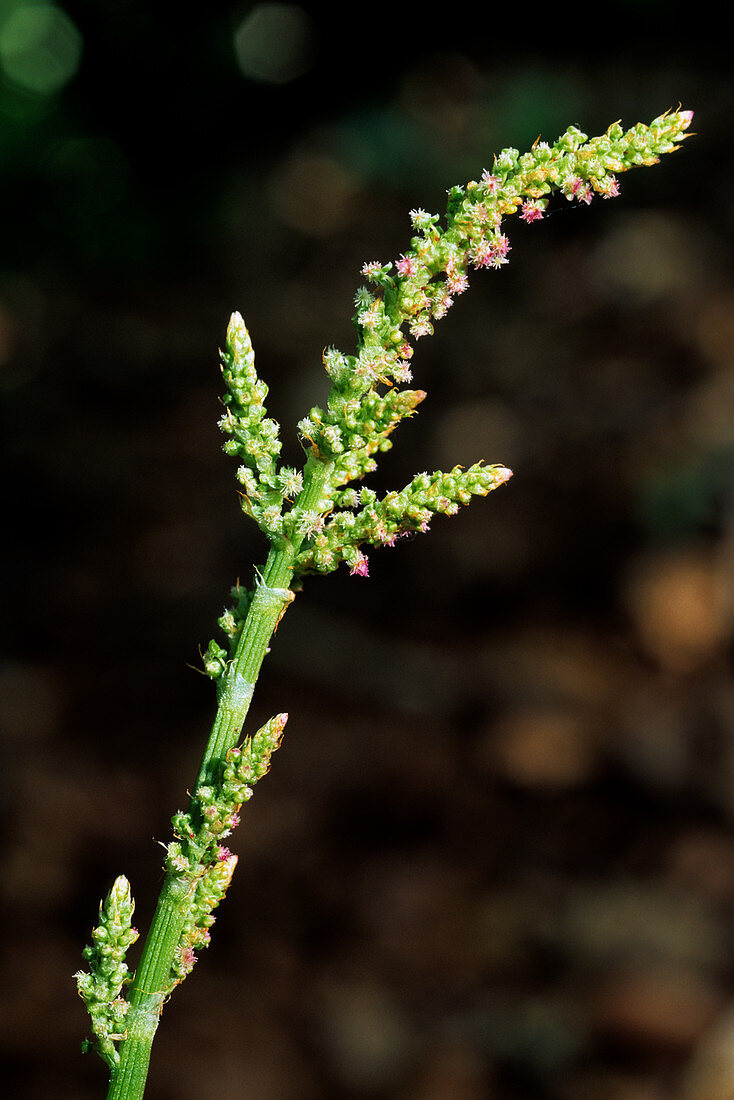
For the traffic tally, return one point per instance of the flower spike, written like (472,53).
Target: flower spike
(318,519)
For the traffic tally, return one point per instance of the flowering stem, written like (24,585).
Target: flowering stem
(269,604)
(315,521)
(152,983)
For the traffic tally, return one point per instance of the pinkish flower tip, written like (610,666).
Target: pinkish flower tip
(188,959)
(360,568)
(610,188)
(531,212)
(490,181)
(405,265)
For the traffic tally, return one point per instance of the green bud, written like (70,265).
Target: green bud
(108,972)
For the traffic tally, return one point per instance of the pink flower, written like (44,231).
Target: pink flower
(532,211)
(406,265)
(188,959)
(609,189)
(491,253)
(401,372)
(421,326)
(501,245)
(481,254)
(456,281)
(371,268)
(360,568)
(490,182)
(581,190)
(444,303)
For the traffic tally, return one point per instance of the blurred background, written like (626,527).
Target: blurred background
(495,855)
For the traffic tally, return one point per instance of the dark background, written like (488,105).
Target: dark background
(495,854)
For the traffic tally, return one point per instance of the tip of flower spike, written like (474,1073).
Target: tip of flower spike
(237,334)
(236,322)
(684,120)
(502,474)
(678,120)
(120,887)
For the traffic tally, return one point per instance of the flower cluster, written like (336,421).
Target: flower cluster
(367,400)
(435,269)
(101,987)
(363,518)
(197,861)
(253,437)
(403,303)
(356,425)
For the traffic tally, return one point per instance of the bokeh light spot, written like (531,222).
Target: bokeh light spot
(40,47)
(274,44)
(313,193)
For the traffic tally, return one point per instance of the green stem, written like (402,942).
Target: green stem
(153,977)
(237,685)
